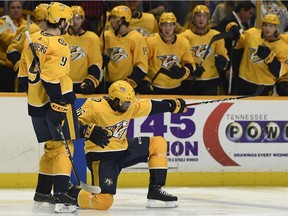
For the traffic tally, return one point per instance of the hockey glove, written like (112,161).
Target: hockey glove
(89,84)
(221,62)
(57,113)
(235,29)
(106,60)
(145,87)
(282,88)
(265,53)
(96,135)
(177,105)
(198,71)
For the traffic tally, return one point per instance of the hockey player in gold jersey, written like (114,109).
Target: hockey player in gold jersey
(145,23)
(51,105)
(86,60)
(264,59)
(14,50)
(169,58)
(216,61)
(13,20)
(125,49)
(113,113)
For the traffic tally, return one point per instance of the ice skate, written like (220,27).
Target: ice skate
(64,203)
(157,198)
(43,203)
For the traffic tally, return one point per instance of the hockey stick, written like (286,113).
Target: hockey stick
(4,27)
(222,35)
(89,188)
(258,92)
(86,187)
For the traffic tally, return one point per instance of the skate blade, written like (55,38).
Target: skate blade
(63,208)
(161,204)
(42,207)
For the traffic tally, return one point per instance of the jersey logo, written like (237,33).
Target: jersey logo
(108,181)
(117,54)
(253,57)
(119,130)
(142,31)
(168,60)
(76,53)
(62,41)
(199,50)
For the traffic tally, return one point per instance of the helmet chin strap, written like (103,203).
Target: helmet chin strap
(63,30)
(118,29)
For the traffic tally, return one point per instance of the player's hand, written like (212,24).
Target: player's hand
(263,51)
(87,87)
(221,62)
(198,71)
(145,87)
(57,113)
(235,29)
(177,105)
(96,135)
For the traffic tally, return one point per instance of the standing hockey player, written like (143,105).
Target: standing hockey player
(169,58)
(113,113)
(216,61)
(14,50)
(51,105)
(86,60)
(264,59)
(125,50)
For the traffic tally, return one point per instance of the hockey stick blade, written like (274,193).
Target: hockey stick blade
(90,188)
(86,187)
(258,92)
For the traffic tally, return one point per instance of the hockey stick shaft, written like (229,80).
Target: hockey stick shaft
(89,188)
(257,93)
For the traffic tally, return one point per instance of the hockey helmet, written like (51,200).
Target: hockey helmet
(40,11)
(78,10)
(57,11)
(167,18)
(271,19)
(122,91)
(201,9)
(122,11)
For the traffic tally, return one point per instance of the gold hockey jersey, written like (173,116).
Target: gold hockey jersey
(97,111)
(54,57)
(7,37)
(252,68)
(125,53)
(145,23)
(161,54)
(199,45)
(85,52)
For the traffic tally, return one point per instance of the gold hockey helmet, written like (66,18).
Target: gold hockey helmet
(123,91)
(122,11)
(57,11)
(271,19)
(40,11)
(167,18)
(201,9)
(78,10)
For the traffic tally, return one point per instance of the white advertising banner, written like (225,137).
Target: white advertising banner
(237,136)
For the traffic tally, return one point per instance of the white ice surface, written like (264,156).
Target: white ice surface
(192,201)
